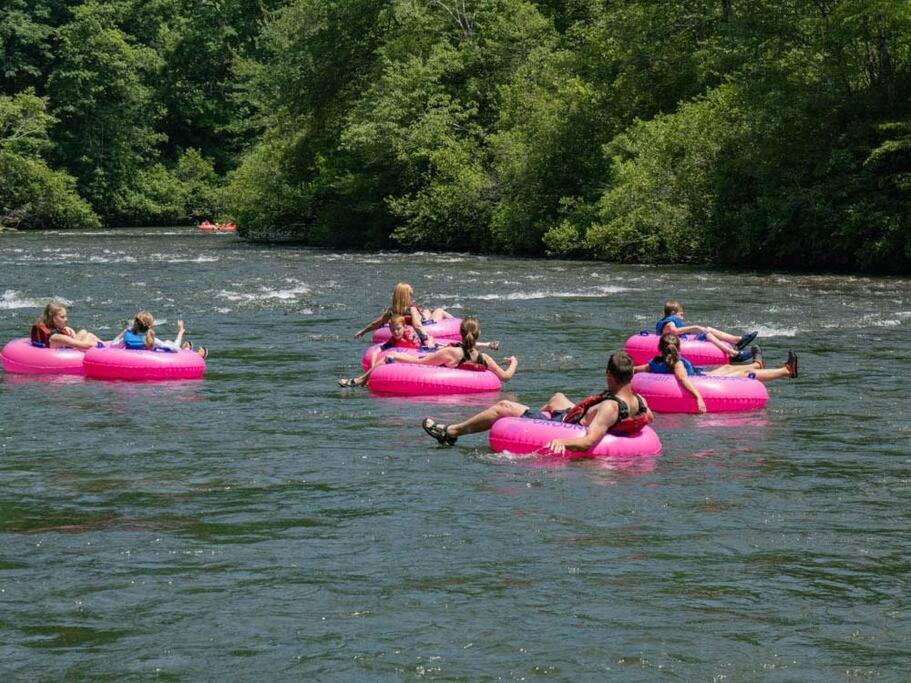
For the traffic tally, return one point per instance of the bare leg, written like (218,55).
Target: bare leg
(723,336)
(751,369)
(557,402)
(86,336)
(726,348)
(484,420)
(734,370)
(437,314)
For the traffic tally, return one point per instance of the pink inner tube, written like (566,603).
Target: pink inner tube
(448,328)
(644,347)
(522,435)
(365,359)
(665,394)
(408,379)
(118,363)
(20,356)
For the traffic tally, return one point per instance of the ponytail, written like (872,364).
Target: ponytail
(143,322)
(669,350)
(470,331)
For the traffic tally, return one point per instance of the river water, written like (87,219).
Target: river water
(263,523)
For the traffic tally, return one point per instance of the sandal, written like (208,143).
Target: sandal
(791,364)
(757,356)
(741,358)
(348,382)
(203,352)
(745,340)
(438,432)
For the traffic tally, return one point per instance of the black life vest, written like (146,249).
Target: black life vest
(624,423)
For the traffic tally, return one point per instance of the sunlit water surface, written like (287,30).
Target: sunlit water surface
(265,523)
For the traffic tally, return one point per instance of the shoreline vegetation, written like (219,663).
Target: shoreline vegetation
(763,134)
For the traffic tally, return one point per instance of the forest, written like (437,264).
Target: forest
(759,134)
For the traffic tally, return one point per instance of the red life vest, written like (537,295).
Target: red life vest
(406,342)
(624,424)
(41,335)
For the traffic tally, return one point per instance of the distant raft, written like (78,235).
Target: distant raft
(410,379)
(206,226)
(21,356)
(522,435)
(665,394)
(142,365)
(644,346)
(448,328)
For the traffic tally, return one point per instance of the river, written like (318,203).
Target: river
(265,524)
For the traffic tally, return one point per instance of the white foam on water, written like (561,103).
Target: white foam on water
(768,331)
(12,299)
(223,311)
(598,293)
(613,289)
(173,258)
(266,294)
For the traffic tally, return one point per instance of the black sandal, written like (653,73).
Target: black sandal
(438,432)
(791,365)
(348,382)
(745,340)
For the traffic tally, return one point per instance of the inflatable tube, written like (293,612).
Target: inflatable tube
(644,346)
(20,356)
(522,435)
(365,359)
(408,379)
(115,363)
(448,328)
(665,394)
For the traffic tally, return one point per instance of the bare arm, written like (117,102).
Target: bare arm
(493,366)
(604,418)
(57,340)
(686,329)
(640,368)
(379,322)
(680,374)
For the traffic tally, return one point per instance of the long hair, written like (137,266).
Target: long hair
(470,331)
(671,307)
(47,315)
(401,299)
(669,349)
(143,322)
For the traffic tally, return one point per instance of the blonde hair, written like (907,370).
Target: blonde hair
(396,320)
(50,311)
(672,307)
(143,322)
(470,331)
(401,299)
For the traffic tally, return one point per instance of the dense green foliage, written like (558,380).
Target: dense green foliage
(761,133)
